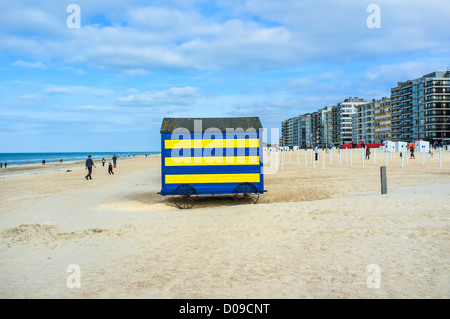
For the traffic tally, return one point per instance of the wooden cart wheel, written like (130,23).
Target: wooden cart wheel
(185,196)
(246,193)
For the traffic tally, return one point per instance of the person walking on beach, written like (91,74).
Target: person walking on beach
(411,150)
(110,169)
(316,152)
(1,164)
(114,160)
(368,153)
(6,164)
(89,164)
(103,161)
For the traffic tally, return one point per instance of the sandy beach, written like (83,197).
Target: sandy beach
(312,235)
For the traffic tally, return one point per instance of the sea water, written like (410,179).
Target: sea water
(37,158)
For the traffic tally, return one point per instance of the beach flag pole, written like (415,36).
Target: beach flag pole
(351,157)
(306,158)
(289,155)
(385,155)
(331,157)
(403,155)
(264,157)
(298,158)
(339,151)
(393,154)
(374,155)
(314,162)
(345,155)
(423,157)
(276,160)
(271,159)
(440,156)
(323,159)
(362,157)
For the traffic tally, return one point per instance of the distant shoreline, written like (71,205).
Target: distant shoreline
(33,158)
(62,165)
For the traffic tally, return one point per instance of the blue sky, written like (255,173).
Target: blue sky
(107,85)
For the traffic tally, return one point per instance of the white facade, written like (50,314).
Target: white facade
(401,146)
(347,119)
(422,146)
(389,146)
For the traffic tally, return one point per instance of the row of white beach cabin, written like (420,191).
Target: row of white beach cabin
(420,146)
(389,146)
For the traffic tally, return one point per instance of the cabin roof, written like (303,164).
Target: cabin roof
(194,126)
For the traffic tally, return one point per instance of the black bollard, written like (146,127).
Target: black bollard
(383,180)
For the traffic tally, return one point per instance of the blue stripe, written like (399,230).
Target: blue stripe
(211,136)
(163,166)
(190,152)
(210,189)
(228,169)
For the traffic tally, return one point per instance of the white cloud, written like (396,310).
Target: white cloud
(134,72)
(403,71)
(32,97)
(253,34)
(57,90)
(31,65)
(173,96)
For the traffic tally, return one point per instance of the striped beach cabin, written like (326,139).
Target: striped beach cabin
(211,156)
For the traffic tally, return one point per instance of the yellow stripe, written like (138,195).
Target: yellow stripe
(212,161)
(212,178)
(218,143)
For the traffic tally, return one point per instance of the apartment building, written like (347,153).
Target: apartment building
(328,126)
(401,115)
(373,121)
(286,136)
(345,111)
(305,138)
(417,109)
(298,131)
(382,120)
(437,107)
(365,116)
(421,108)
(325,126)
(335,136)
(354,120)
